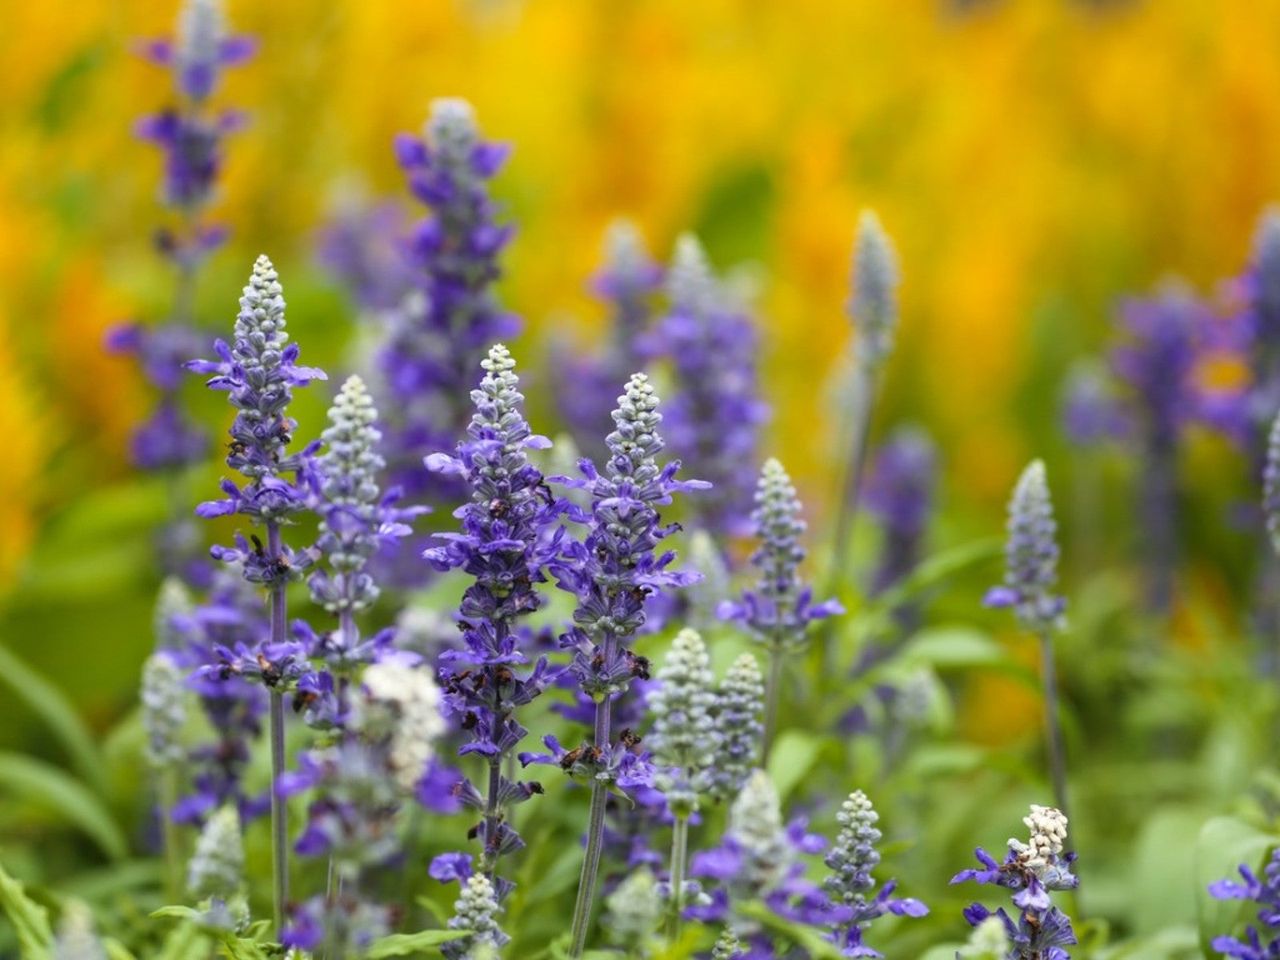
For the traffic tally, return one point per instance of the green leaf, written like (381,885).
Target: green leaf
(237,948)
(185,942)
(808,939)
(30,920)
(793,755)
(407,944)
(116,950)
(933,571)
(39,782)
(1223,845)
(952,648)
(57,713)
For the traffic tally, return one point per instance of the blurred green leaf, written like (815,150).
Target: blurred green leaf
(116,950)
(793,755)
(407,944)
(952,647)
(61,718)
(37,782)
(30,920)
(808,939)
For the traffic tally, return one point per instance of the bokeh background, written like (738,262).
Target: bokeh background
(1032,159)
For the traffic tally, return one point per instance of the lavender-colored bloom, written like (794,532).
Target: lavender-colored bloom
(356,521)
(259,371)
(737,712)
(506,542)
(1265,892)
(899,493)
(1032,871)
(587,384)
(1031,556)
(873,305)
(780,610)
(435,340)
(851,860)
(201,49)
(612,572)
(714,417)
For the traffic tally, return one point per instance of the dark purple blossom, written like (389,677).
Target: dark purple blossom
(1031,556)
(1264,891)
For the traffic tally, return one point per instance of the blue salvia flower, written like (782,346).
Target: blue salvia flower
(612,573)
(780,609)
(1271,485)
(259,371)
(1091,412)
(1031,556)
(359,247)
(738,712)
(435,341)
(1031,575)
(475,911)
(873,308)
(1265,893)
(899,493)
(356,520)
(851,860)
(1032,871)
(76,939)
(715,413)
(506,542)
(587,385)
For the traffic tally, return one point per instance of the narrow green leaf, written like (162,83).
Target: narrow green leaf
(177,911)
(39,782)
(240,949)
(407,944)
(792,757)
(116,950)
(813,943)
(30,920)
(57,713)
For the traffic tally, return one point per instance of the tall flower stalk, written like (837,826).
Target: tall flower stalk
(1031,574)
(259,371)
(189,134)
(164,714)
(684,744)
(506,542)
(612,572)
(873,308)
(715,412)
(779,611)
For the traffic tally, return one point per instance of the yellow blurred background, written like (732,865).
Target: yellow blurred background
(1032,159)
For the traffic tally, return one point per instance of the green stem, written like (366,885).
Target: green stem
(279,815)
(1053,726)
(172,836)
(595,833)
(679,861)
(772,693)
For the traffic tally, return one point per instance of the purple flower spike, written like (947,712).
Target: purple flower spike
(509,536)
(1031,556)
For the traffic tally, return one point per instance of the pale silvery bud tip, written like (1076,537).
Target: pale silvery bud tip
(874,304)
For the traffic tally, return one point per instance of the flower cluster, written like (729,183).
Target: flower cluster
(1032,870)
(1031,556)
(851,860)
(435,340)
(714,416)
(507,540)
(1263,891)
(737,710)
(683,740)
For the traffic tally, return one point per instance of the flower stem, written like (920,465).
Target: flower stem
(1053,726)
(772,693)
(595,836)
(172,838)
(679,861)
(279,824)
(850,488)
